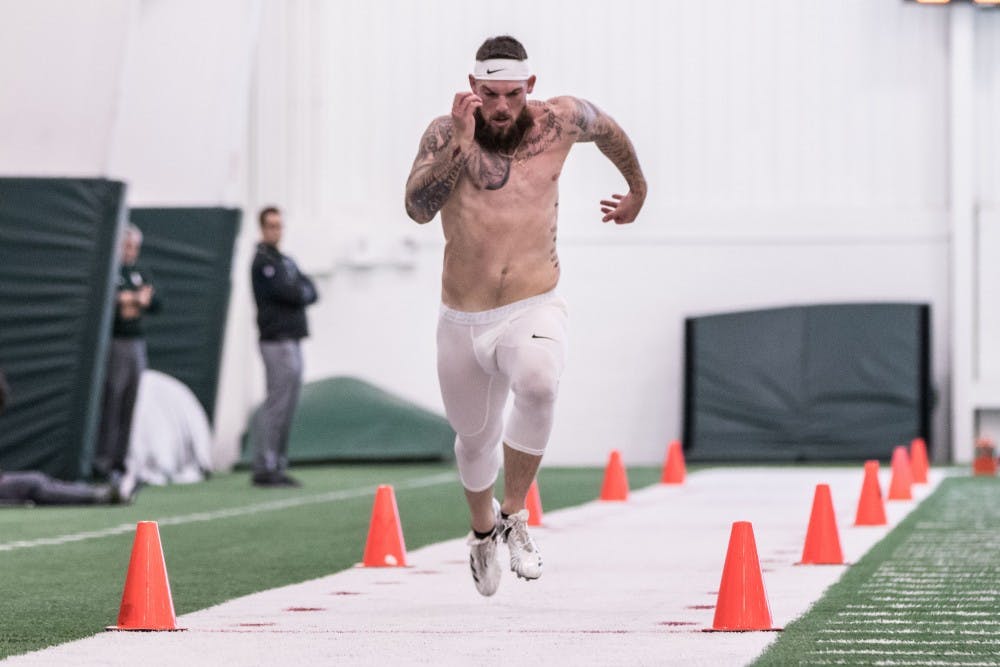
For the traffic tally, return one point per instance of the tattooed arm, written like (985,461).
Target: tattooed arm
(592,124)
(444,150)
(435,172)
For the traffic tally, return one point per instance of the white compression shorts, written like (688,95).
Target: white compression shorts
(482,357)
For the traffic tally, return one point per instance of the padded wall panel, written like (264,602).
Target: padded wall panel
(189,252)
(831,382)
(58,241)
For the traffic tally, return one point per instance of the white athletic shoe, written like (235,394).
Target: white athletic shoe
(525,560)
(484,560)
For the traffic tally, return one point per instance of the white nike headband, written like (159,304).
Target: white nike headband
(501,69)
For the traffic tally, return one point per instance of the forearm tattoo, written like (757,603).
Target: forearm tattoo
(435,171)
(597,126)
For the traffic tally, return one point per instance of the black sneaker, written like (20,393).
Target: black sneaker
(273,479)
(288,480)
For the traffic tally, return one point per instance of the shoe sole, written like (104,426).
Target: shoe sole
(525,577)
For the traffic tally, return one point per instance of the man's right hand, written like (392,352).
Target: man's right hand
(145,295)
(463,117)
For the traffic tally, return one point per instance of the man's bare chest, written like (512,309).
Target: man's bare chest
(536,161)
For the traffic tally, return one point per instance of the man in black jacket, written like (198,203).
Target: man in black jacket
(282,293)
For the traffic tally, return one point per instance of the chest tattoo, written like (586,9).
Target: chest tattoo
(491,171)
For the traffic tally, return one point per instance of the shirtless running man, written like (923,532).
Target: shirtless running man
(492,169)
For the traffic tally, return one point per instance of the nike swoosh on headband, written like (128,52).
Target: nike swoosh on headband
(494,71)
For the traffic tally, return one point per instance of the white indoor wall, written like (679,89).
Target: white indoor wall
(61,67)
(987,340)
(796,152)
(181,131)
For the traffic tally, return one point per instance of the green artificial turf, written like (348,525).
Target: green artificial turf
(55,593)
(929,593)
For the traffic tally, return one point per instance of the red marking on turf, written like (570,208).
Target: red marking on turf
(254,625)
(344,593)
(676,623)
(700,606)
(305,609)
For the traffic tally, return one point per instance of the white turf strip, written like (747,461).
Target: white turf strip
(624,583)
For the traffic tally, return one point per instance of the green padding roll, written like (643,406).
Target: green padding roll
(347,419)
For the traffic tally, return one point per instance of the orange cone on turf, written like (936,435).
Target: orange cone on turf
(918,460)
(615,485)
(822,545)
(385,546)
(901,483)
(984,461)
(146,601)
(742,602)
(674,468)
(533,502)
(871,507)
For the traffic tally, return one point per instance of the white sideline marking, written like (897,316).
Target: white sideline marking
(197,517)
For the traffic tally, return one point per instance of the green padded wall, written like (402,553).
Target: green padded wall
(810,383)
(58,241)
(189,252)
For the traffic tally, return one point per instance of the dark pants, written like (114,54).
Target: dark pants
(36,487)
(273,421)
(126,362)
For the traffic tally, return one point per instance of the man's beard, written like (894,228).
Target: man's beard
(502,141)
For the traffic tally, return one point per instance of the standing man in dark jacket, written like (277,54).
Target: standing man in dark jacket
(282,293)
(127,360)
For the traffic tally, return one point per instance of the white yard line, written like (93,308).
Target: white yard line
(625,583)
(245,510)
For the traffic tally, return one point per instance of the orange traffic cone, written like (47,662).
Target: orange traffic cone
(673,468)
(822,545)
(615,485)
(871,508)
(742,602)
(146,602)
(918,460)
(385,546)
(901,483)
(533,501)
(984,461)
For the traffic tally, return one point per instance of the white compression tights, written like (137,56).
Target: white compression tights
(484,356)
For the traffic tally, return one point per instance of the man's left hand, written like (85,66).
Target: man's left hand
(623,209)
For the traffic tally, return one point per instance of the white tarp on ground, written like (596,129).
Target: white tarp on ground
(171,438)
(625,584)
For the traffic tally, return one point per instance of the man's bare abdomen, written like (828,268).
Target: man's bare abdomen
(492,269)
(501,244)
